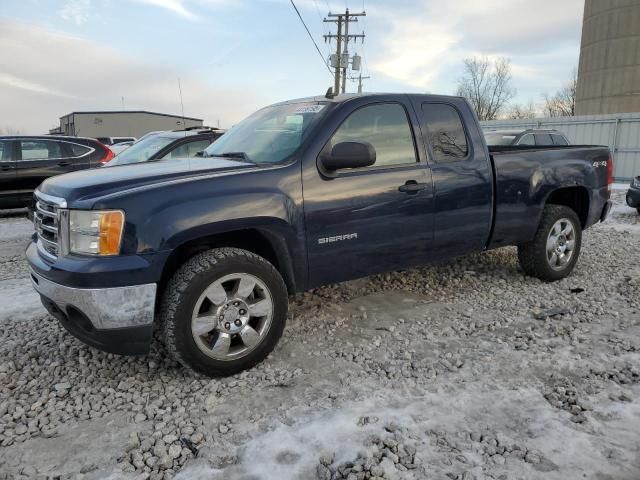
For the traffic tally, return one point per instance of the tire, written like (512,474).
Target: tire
(534,256)
(198,320)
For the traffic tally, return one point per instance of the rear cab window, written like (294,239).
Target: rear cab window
(445,132)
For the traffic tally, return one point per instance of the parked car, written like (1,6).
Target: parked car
(167,145)
(25,161)
(633,195)
(298,195)
(530,136)
(115,140)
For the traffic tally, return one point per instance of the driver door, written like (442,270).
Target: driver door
(365,220)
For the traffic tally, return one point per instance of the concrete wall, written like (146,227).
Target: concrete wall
(609,70)
(621,133)
(120,124)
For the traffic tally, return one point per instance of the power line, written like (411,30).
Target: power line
(311,37)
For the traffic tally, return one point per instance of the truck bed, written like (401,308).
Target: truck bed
(525,176)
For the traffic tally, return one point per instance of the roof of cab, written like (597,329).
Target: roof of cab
(343,97)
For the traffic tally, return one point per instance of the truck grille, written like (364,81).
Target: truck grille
(46,220)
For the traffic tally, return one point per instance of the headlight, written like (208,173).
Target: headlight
(95,232)
(636,182)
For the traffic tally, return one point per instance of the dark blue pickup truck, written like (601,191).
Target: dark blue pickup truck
(300,194)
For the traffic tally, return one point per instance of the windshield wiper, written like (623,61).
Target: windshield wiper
(241,155)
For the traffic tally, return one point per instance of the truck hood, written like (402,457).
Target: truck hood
(99,182)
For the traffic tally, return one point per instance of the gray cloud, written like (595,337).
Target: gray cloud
(427,41)
(47,74)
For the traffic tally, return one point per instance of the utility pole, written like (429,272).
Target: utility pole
(360,78)
(342,57)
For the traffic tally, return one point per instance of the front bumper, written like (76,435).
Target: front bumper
(117,320)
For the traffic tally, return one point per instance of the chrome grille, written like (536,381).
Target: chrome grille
(46,219)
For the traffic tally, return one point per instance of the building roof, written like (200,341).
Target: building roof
(103,112)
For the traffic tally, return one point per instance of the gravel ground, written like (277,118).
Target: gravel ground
(467,370)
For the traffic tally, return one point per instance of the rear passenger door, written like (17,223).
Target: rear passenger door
(39,159)
(462,178)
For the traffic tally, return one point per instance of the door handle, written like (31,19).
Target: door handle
(64,163)
(412,187)
(6,168)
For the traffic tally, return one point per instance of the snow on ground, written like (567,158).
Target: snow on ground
(452,371)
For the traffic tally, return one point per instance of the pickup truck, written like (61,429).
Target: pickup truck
(300,194)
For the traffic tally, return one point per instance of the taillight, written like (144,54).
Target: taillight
(108,155)
(609,173)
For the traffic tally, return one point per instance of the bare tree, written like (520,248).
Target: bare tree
(486,85)
(563,103)
(524,110)
(9,131)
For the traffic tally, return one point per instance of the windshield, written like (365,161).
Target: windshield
(141,150)
(270,135)
(499,139)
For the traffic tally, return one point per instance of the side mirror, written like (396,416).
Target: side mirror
(350,155)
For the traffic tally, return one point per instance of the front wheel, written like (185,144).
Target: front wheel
(554,250)
(223,311)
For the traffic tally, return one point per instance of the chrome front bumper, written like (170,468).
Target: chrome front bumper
(105,308)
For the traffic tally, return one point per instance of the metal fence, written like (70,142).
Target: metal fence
(620,132)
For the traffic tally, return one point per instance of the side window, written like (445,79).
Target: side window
(78,150)
(188,149)
(559,140)
(5,150)
(446,132)
(386,127)
(527,140)
(40,149)
(543,139)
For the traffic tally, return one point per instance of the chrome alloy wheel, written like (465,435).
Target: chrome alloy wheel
(232,316)
(561,244)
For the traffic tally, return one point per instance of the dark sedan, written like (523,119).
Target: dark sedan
(633,195)
(26,161)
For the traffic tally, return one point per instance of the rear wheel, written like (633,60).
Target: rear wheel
(554,250)
(223,311)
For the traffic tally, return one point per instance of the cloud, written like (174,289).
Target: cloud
(47,74)
(175,6)
(23,84)
(76,11)
(427,42)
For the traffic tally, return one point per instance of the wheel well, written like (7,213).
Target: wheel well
(576,198)
(252,240)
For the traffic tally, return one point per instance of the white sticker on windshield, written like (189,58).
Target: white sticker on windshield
(308,109)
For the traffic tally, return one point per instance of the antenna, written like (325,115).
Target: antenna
(184,125)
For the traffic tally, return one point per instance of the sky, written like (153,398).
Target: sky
(235,56)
